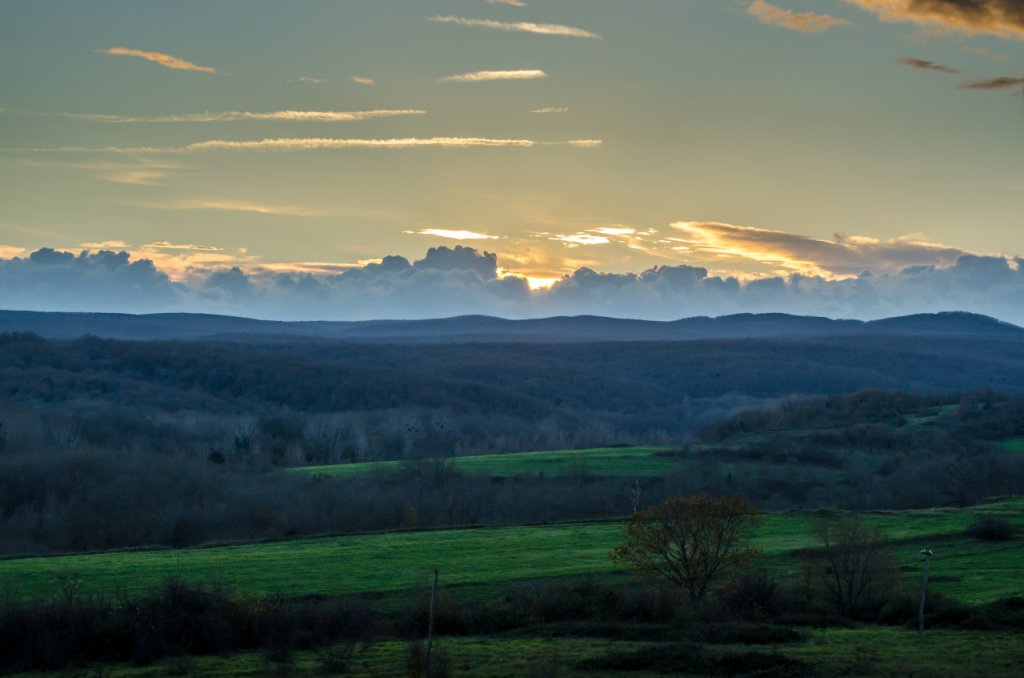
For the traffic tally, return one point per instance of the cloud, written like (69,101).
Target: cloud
(462,280)
(804,22)
(337,144)
(518,27)
(135,177)
(315,144)
(362,80)
(552,109)
(1002,18)
(165,60)
(49,280)
(488,76)
(510,3)
(165,245)
(925,65)
(105,245)
(235,116)
(136,172)
(1004,82)
(577,239)
(310,80)
(237,206)
(10,251)
(453,234)
(792,253)
(314,267)
(578,143)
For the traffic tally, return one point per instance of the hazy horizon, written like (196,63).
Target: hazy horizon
(457,281)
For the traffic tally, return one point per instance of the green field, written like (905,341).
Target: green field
(481,560)
(1014,445)
(870,651)
(613,461)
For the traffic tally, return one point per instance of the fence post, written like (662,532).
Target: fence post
(430,626)
(927,553)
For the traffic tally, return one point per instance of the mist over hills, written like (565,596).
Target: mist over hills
(490,329)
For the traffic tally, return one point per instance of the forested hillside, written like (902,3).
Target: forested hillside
(316,403)
(115,444)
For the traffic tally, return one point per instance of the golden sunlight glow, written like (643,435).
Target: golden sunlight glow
(541,283)
(724,241)
(458,234)
(9,252)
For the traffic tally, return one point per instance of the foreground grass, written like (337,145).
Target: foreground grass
(483,560)
(1012,445)
(867,651)
(885,651)
(644,462)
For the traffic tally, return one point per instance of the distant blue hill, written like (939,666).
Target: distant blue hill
(478,328)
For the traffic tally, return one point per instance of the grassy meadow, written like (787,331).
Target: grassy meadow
(639,462)
(482,560)
(868,651)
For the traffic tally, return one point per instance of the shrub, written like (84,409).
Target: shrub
(691,658)
(1007,613)
(181,665)
(745,634)
(940,610)
(754,595)
(560,601)
(598,629)
(675,658)
(991,529)
(176,619)
(762,664)
(447,618)
(335,661)
(416,661)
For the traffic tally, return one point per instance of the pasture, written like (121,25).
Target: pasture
(612,461)
(875,651)
(480,561)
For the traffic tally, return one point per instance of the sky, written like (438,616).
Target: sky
(352,159)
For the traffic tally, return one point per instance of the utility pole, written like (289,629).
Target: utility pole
(430,627)
(927,554)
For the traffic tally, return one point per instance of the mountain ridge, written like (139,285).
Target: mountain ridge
(491,329)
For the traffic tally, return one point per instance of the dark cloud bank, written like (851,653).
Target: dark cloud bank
(458,281)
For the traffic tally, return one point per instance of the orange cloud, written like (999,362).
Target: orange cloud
(235,116)
(315,144)
(238,206)
(9,251)
(804,22)
(518,27)
(488,76)
(1003,18)
(165,60)
(786,253)
(453,234)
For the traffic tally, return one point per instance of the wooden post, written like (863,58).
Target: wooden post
(430,627)
(924,590)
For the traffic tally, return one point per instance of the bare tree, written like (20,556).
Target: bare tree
(857,569)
